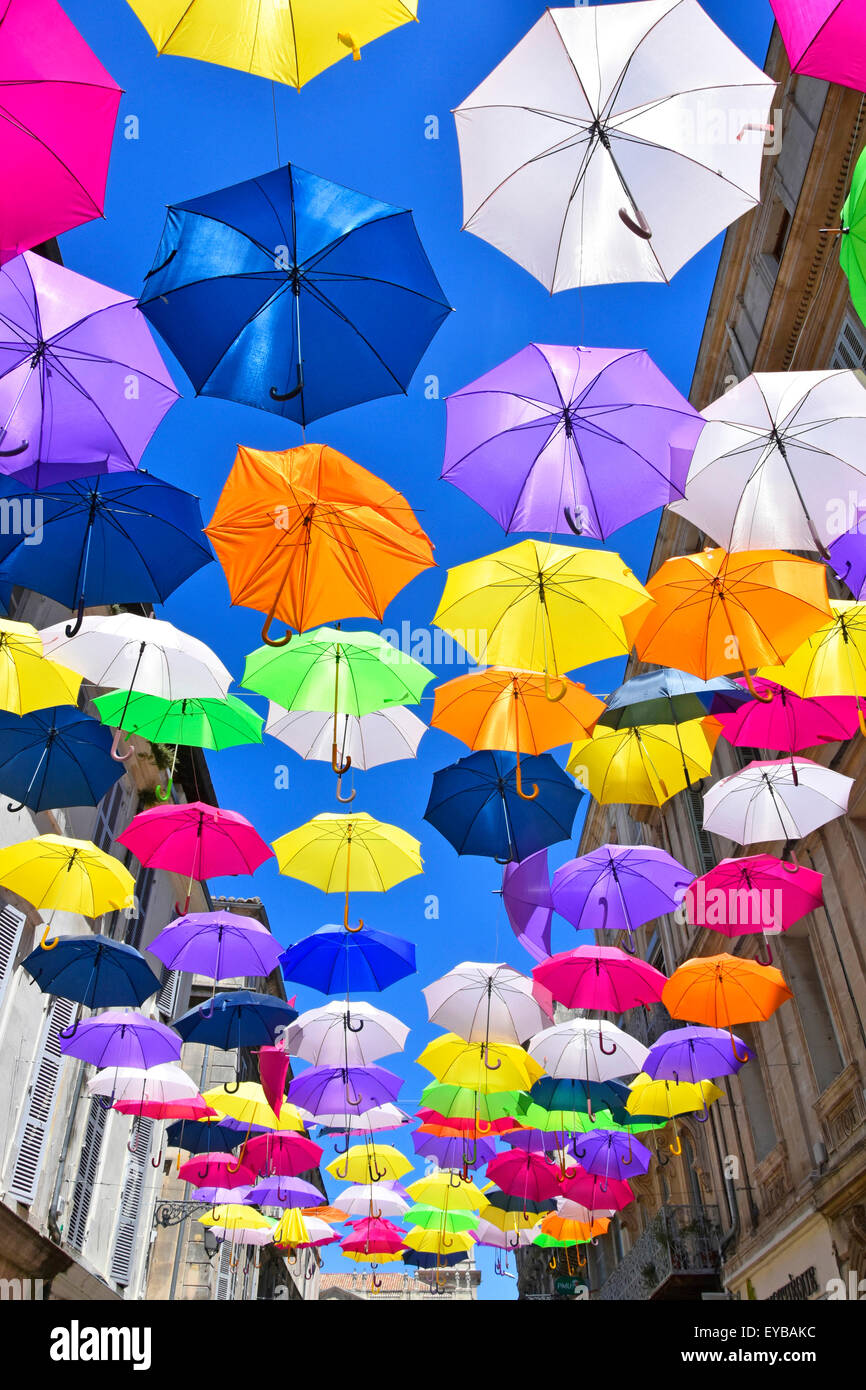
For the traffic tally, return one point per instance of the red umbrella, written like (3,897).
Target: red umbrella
(195,839)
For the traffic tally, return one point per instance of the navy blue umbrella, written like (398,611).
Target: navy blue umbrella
(94,971)
(55,757)
(294,294)
(475,804)
(199,1137)
(117,538)
(335,961)
(430,1259)
(236,1018)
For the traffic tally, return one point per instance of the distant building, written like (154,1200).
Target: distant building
(458,1284)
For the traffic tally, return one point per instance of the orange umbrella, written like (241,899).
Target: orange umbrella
(309,537)
(565,1228)
(509,710)
(719,612)
(723,990)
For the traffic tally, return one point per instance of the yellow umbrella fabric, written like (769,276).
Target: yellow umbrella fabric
(237,1218)
(446,1190)
(289,41)
(376,1163)
(249,1106)
(669,1098)
(437,1243)
(28,680)
(644,765)
(483,1067)
(291,1228)
(830,662)
(510,1220)
(53,872)
(542,607)
(376,1257)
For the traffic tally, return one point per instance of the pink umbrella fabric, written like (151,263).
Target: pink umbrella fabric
(193,1109)
(825,39)
(282,1155)
(195,839)
(273,1070)
(375,1237)
(600,978)
(756,893)
(216,1170)
(585,1188)
(787,723)
(525,1175)
(59,106)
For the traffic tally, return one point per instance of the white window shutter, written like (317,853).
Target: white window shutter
(166,1000)
(11,926)
(130,1204)
(850,350)
(39,1103)
(85,1180)
(224,1273)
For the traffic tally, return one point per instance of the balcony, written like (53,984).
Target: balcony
(677,1257)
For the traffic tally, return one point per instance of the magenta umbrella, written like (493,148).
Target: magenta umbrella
(220,945)
(584,1187)
(584,439)
(784,722)
(755,894)
(528,1176)
(600,978)
(59,106)
(195,839)
(825,39)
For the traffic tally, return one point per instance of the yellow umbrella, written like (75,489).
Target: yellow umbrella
(376,1257)
(830,662)
(446,1190)
(373,1163)
(288,41)
(349,854)
(53,872)
(291,1228)
(646,764)
(669,1099)
(510,1220)
(237,1218)
(249,1105)
(28,680)
(480,1066)
(542,607)
(438,1242)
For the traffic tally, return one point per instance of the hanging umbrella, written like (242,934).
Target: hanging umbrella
(121,1038)
(618,888)
(848,550)
(488,1234)
(723,990)
(524,1174)
(166,1082)
(669,697)
(767,801)
(560,1095)
(601,979)
(587,1049)
(28,681)
(542,607)
(586,156)
(216,723)
(184,1108)
(755,893)
(852,257)
(454,1152)
(55,757)
(479,806)
(446,1192)
(220,945)
(460,1103)
(323,1089)
(485,1003)
(695,1054)
(282,1155)
(508,1212)
(775,448)
(831,660)
(565,1230)
(348,854)
(824,39)
(345,1034)
(528,904)
(338,301)
(238,1018)
(585,1187)
(216,1170)
(195,839)
(579,439)
(69,349)
(611,1155)
(374,1200)
(237,1219)
(786,723)
(92,970)
(289,43)
(285,1192)
(248,1106)
(717,613)
(437,1240)
(307,536)
(335,960)
(644,765)
(202,1137)
(362,741)
(60,106)
(670,1099)
(433,1219)
(55,873)
(507,710)
(483,1067)
(373,1238)
(370,1163)
(380,1117)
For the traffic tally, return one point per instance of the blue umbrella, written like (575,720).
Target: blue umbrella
(429,1259)
(94,971)
(200,1137)
(117,538)
(334,960)
(475,804)
(294,294)
(55,757)
(237,1018)
(565,1093)
(667,696)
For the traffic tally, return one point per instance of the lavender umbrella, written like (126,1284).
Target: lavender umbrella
(220,945)
(695,1054)
(848,556)
(122,1038)
(283,1192)
(619,887)
(577,438)
(82,384)
(458,1152)
(611,1155)
(326,1090)
(528,903)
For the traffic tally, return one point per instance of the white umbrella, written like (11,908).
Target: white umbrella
(775,801)
(343,1035)
(363,1198)
(370,740)
(587,1049)
(161,1084)
(613,143)
(777,450)
(488,1234)
(486,1003)
(575,1211)
(379,1117)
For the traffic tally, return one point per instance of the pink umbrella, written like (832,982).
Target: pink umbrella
(825,38)
(755,894)
(193,1109)
(282,1155)
(528,1176)
(216,1170)
(786,723)
(195,839)
(59,107)
(585,1188)
(600,978)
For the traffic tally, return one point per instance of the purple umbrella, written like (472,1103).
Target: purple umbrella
(220,945)
(122,1038)
(457,1152)
(848,556)
(577,438)
(695,1054)
(528,904)
(283,1192)
(328,1090)
(619,887)
(611,1155)
(532,1141)
(82,384)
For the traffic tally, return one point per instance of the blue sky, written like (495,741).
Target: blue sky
(201,128)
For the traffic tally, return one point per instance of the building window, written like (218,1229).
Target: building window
(755,1099)
(850,350)
(107,813)
(776,236)
(694,804)
(816,1019)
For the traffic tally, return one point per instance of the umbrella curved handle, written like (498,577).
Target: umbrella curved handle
(352,1100)
(311,1272)
(206,1010)
(115,748)
(705,1114)
(760,959)
(274,641)
(626,944)
(662,1158)
(157,1162)
(737,1057)
(451,1183)
(572,524)
(579,1154)
(66,1033)
(360,926)
(343,1150)
(203,1172)
(47,945)
(11,453)
(276,395)
(549,694)
(593,1240)
(551,1264)
(483,1126)
(446,1244)
(639,227)
(677,1148)
(164,793)
(292,1257)
(234,1261)
(75,627)
(626,1162)
(336,765)
(349,1024)
(380,1173)
(496,1065)
(105,1102)
(608,1052)
(766,699)
(132,1142)
(581,1263)
(15,807)
(589,1112)
(503,862)
(512,1245)
(345,799)
(235,1167)
(182,911)
(518,784)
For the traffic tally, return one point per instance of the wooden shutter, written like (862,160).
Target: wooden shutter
(85,1180)
(123,1254)
(11,926)
(694,803)
(224,1273)
(39,1103)
(166,1000)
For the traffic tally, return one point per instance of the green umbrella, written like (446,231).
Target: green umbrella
(552,1242)
(852,253)
(462,1103)
(432,1218)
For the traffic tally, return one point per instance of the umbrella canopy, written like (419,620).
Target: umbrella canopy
(478,804)
(359,672)
(610,1155)
(668,696)
(723,990)
(285,1192)
(202,1137)
(28,681)
(670,1098)
(373,1238)
(580,439)
(323,1089)
(185,1108)
(55,757)
(848,550)
(366,740)
(338,299)
(126,652)
(164,1083)
(308,536)
(292,1229)
(480,1110)
(342,1034)
(586,156)
(824,39)
(122,1038)
(753,483)
(336,961)
(488,1234)
(370,1163)
(785,722)
(831,660)
(238,1018)
(52,871)
(369,1199)
(542,607)
(60,107)
(585,1188)
(695,1054)
(238,1220)
(68,350)
(767,801)
(524,1174)
(221,945)
(485,1003)
(432,1219)
(216,1170)
(436,1240)
(618,888)
(755,893)
(566,1230)
(289,43)
(587,1049)
(483,1067)
(196,839)
(223,722)
(282,1155)
(248,1106)
(600,978)
(457,1151)
(446,1192)
(644,765)
(528,904)
(852,257)
(132,535)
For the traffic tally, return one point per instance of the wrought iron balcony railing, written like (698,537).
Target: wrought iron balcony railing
(679,1242)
